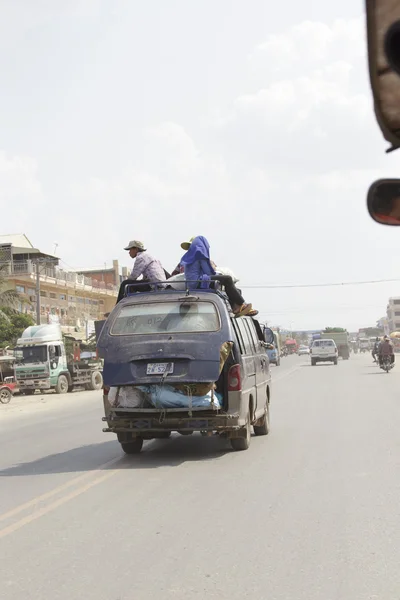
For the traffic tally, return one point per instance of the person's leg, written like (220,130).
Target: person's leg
(235,298)
(135,286)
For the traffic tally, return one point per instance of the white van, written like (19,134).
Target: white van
(324,351)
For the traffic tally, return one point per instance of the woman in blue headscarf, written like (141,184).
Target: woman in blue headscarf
(200,272)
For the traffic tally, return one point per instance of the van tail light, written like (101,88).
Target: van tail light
(105,390)
(234,379)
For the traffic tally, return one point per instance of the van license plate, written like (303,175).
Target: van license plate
(160,368)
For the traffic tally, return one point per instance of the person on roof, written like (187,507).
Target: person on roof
(180,268)
(146,266)
(201,272)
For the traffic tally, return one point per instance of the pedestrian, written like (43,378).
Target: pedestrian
(146,266)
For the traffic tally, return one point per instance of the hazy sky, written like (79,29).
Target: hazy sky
(165,119)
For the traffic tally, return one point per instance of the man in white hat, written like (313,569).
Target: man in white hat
(146,266)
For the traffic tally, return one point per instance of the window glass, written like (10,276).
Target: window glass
(248,346)
(166,317)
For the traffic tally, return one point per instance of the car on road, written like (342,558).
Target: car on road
(324,351)
(303,350)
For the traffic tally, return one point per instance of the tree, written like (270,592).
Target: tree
(334,330)
(12,324)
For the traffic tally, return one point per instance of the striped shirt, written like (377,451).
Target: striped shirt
(149,267)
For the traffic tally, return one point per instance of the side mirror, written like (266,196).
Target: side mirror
(383,34)
(383,201)
(268,335)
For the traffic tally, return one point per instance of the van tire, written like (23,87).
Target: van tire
(133,447)
(96,381)
(243,443)
(62,385)
(313,362)
(264,426)
(335,362)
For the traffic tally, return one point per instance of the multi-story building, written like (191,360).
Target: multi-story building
(71,298)
(393,314)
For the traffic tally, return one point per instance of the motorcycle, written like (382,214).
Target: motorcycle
(386,363)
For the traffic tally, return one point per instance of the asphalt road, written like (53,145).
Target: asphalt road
(309,512)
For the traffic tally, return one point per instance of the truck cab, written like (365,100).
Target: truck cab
(42,363)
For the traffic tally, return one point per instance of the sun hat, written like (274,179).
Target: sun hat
(135,244)
(186,245)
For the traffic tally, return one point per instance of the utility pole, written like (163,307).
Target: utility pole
(37,293)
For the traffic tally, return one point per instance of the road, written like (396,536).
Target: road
(309,512)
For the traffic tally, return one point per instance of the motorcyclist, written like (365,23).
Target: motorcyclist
(386,349)
(375,349)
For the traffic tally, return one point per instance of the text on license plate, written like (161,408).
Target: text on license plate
(160,368)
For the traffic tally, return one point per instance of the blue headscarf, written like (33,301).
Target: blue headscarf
(197,264)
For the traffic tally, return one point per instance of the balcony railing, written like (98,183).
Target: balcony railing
(67,279)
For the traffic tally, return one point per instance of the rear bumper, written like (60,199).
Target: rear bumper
(146,421)
(324,358)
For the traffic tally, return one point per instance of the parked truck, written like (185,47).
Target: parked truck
(47,361)
(341,339)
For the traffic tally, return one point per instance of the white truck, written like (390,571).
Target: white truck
(44,363)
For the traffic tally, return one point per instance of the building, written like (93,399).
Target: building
(111,275)
(68,297)
(393,314)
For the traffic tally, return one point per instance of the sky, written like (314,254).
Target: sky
(250,123)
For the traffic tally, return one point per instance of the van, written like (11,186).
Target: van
(171,338)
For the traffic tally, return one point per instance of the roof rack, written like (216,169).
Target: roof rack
(162,288)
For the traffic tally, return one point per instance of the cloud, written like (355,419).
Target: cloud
(311,110)
(311,42)
(19,18)
(287,162)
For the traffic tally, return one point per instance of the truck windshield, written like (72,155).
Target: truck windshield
(166,317)
(30,354)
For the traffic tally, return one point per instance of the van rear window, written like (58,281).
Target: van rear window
(166,317)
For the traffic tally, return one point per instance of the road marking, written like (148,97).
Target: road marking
(40,513)
(290,372)
(57,490)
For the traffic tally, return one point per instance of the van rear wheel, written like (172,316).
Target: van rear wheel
(133,447)
(243,443)
(263,424)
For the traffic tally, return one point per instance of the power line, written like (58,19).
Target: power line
(314,285)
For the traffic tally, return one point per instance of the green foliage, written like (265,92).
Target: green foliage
(12,325)
(334,330)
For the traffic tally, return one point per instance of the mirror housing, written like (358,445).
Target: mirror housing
(383,201)
(383,35)
(268,335)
